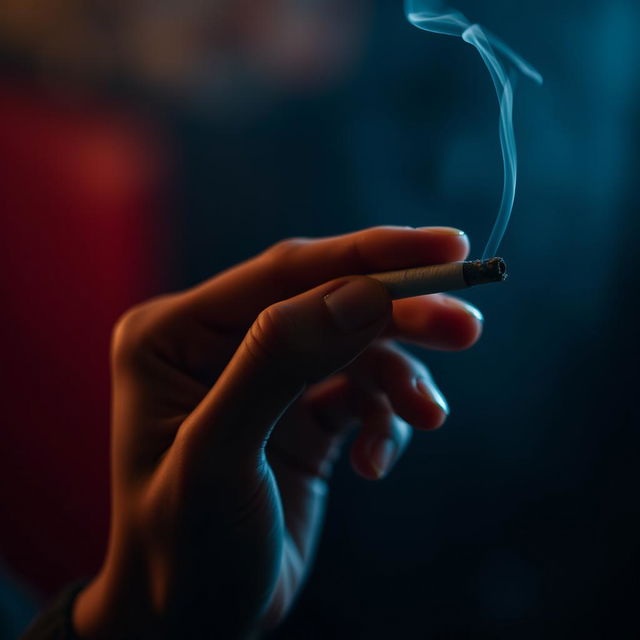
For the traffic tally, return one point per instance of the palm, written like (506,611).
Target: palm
(289,492)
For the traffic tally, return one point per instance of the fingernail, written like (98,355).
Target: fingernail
(427,388)
(472,311)
(383,455)
(465,306)
(357,304)
(443,231)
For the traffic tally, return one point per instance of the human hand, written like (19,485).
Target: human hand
(230,403)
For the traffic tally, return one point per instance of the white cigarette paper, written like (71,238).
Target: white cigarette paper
(437,278)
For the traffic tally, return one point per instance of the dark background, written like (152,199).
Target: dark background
(519,518)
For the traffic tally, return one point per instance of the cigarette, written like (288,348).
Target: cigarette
(437,278)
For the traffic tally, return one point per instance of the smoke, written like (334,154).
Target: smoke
(502,63)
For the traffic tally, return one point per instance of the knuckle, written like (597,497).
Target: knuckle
(270,336)
(417,367)
(282,252)
(281,262)
(133,331)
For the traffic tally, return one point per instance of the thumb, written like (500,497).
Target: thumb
(291,344)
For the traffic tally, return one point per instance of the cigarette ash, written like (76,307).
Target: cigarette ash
(477,272)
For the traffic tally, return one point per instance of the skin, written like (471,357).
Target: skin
(232,400)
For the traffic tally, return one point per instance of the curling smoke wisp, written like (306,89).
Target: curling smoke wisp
(501,61)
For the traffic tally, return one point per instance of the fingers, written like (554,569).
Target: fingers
(310,435)
(294,266)
(385,392)
(199,329)
(291,344)
(406,382)
(437,322)
(381,441)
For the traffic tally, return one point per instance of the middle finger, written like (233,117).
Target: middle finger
(436,321)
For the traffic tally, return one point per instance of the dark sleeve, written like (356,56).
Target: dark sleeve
(54,623)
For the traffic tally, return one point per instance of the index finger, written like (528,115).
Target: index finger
(236,297)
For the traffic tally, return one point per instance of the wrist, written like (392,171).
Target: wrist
(87,614)
(112,608)
(93,613)
(109,608)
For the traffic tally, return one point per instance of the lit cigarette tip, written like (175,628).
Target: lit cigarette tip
(484,271)
(437,278)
